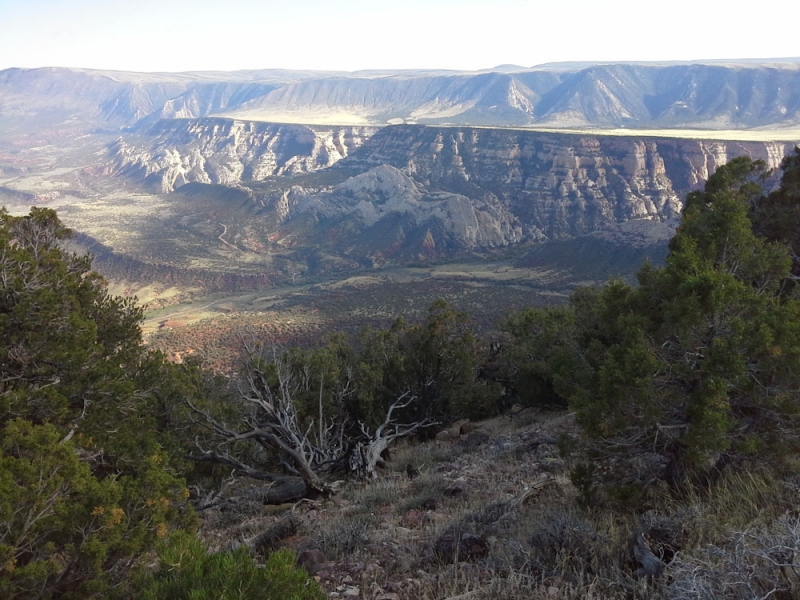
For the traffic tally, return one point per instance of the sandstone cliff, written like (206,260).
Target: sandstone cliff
(172,153)
(417,192)
(387,212)
(421,191)
(559,184)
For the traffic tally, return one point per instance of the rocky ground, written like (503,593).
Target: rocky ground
(484,511)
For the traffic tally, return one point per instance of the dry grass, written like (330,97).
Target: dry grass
(380,536)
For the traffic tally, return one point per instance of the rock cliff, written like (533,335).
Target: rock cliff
(385,212)
(412,192)
(420,191)
(172,153)
(559,184)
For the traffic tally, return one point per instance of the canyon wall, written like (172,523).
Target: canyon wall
(172,153)
(734,95)
(560,184)
(448,187)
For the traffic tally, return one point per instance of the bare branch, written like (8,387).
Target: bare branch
(229,461)
(366,456)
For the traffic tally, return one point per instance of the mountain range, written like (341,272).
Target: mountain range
(721,95)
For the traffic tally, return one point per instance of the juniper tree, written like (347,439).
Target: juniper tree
(697,366)
(86,479)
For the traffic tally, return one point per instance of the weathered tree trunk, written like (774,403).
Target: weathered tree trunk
(652,566)
(366,457)
(267,541)
(281,488)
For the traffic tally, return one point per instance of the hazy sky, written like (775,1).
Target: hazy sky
(179,35)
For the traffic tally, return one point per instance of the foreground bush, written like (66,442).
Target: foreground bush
(188,571)
(89,462)
(696,369)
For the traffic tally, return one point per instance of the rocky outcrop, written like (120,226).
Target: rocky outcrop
(442,220)
(173,153)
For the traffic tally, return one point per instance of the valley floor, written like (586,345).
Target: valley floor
(212,327)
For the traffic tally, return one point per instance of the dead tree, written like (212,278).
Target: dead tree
(366,455)
(270,418)
(652,566)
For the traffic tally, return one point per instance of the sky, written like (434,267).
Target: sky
(349,35)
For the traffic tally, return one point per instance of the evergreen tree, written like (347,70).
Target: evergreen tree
(698,366)
(87,481)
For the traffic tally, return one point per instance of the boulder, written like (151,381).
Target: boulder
(311,560)
(446,436)
(457,489)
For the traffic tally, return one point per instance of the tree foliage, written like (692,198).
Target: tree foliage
(89,471)
(437,361)
(696,367)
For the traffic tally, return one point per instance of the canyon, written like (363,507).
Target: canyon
(218,194)
(426,191)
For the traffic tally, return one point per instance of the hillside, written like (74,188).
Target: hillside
(492,513)
(456,356)
(733,95)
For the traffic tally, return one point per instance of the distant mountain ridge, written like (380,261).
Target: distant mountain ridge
(712,95)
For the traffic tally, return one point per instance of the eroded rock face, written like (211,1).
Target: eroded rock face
(384,193)
(561,185)
(600,95)
(385,190)
(710,96)
(417,192)
(173,153)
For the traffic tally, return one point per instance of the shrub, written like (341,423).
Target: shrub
(89,460)
(566,542)
(345,537)
(188,571)
(756,563)
(65,532)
